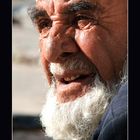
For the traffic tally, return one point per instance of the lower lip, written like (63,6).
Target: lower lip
(72,90)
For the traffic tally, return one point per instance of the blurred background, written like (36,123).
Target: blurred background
(28,82)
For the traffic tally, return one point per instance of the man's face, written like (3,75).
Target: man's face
(83,47)
(94,32)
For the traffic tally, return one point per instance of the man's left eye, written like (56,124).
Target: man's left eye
(82,21)
(44,24)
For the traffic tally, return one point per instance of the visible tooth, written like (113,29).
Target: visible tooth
(77,76)
(74,77)
(71,78)
(67,79)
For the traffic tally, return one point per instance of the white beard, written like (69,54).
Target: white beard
(76,120)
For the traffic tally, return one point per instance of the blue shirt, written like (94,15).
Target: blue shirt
(113,124)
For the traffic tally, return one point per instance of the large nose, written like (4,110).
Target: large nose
(60,43)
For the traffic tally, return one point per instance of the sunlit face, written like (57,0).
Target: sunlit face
(83,45)
(91,31)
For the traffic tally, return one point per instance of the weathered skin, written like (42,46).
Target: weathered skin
(98,34)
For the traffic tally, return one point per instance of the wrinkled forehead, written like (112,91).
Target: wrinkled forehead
(54,6)
(64,0)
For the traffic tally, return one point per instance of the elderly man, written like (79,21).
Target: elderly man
(83,47)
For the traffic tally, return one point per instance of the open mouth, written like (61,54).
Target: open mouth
(68,79)
(72,83)
(69,88)
(76,78)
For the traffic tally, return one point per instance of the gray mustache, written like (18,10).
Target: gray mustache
(78,63)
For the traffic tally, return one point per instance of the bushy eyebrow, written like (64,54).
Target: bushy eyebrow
(79,6)
(35,13)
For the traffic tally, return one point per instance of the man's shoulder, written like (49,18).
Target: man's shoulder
(114,122)
(118,105)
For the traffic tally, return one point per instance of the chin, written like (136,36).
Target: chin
(76,119)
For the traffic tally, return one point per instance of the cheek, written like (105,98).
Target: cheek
(93,44)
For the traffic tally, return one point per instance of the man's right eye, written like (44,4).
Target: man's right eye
(44,24)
